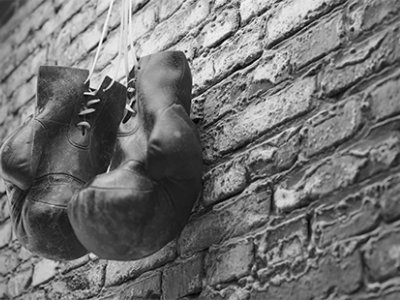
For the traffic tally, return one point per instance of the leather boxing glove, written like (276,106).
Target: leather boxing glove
(155,178)
(69,139)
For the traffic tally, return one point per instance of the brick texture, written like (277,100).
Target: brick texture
(297,107)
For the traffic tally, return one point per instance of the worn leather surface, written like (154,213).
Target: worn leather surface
(155,178)
(49,158)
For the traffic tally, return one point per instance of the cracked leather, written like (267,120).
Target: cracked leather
(146,199)
(49,158)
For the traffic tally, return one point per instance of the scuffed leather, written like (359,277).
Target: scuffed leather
(48,159)
(155,178)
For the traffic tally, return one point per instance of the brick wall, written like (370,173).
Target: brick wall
(297,104)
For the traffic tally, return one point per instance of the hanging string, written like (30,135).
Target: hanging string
(124,44)
(128,31)
(105,27)
(130,35)
(121,51)
(134,58)
(126,12)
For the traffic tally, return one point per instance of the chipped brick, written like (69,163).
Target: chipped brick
(251,8)
(258,118)
(313,43)
(8,261)
(147,286)
(363,15)
(332,126)
(19,282)
(171,30)
(274,155)
(238,51)
(223,26)
(43,271)
(350,217)
(293,15)
(117,272)
(5,233)
(183,278)
(229,262)
(284,243)
(359,62)
(228,219)
(224,181)
(81,283)
(383,99)
(325,178)
(343,274)
(382,256)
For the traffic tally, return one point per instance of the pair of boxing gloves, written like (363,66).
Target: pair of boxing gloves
(82,175)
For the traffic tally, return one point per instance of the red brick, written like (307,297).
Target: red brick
(339,172)
(362,15)
(290,16)
(145,20)
(37,295)
(4,208)
(229,292)
(229,262)
(382,149)
(8,29)
(251,8)
(109,51)
(220,99)
(333,126)
(68,9)
(8,261)
(5,233)
(313,43)
(82,283)
(37,18)
(183,278)
(389,294)
(80,46)
(240,50)
(224,181)
(147,286)
(325,178)
(378,152)
(43,271)
(389,198)
(225,24)
(3,289)
(274,155)
(171,30)
(352,216)
(360,61)
(283,243)
(23,94)
(19,282)
(382,256)
(228,219)
(20,76)
(117,271)
(272,69)
(383,98)
(343,274)
(259,117)
(24,254)
(5,50)
(80,21)
(74,264)
(169,7)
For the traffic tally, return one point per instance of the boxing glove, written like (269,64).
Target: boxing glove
(155,178)
(69,139)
